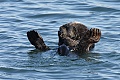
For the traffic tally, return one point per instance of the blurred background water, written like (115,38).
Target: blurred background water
(20,61)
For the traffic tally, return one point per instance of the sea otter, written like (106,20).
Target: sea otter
(73,36)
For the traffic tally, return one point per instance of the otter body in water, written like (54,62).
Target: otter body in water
(73,36)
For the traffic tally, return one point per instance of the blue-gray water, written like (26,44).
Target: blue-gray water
(20,61)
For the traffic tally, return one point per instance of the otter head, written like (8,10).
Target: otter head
(63,50)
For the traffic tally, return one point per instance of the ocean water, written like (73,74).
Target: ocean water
(19,60)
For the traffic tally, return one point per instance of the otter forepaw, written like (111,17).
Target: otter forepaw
(95,35)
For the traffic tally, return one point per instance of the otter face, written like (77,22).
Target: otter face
(63,50)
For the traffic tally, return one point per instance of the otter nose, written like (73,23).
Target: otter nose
(63,50)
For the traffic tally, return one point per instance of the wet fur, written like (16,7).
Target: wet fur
(76,36)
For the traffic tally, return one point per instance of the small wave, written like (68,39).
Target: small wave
(15,70)
(48,15)
(11,0)
(103,5)
(101,9)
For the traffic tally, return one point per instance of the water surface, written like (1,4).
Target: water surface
(20,61)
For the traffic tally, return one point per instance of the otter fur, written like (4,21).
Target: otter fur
(73,36)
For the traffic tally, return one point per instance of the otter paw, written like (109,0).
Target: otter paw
(95,35)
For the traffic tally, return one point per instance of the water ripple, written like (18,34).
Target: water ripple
(19,59)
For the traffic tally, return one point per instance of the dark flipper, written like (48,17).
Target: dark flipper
(36,40)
